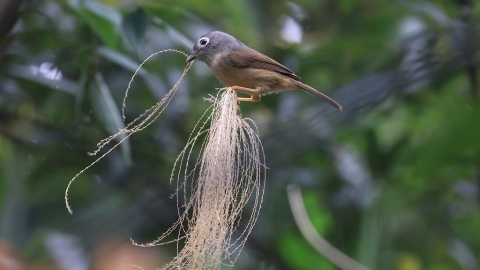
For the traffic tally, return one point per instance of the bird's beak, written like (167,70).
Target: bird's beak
(192,56)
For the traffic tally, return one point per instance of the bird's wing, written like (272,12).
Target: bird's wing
(249,58)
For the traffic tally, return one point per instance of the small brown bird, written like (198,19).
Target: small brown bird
(245,70)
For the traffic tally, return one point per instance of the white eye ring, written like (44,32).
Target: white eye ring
(203,41)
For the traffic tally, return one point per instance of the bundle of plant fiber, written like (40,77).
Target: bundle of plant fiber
(228,172)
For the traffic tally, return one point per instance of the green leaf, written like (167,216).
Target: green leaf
(59,84)
(103,11)
(102,27)
(80,93)
(175,35)
(135,26)
(108,112)
(319,216)
(347,6)
(122,60)
(103,20)
(298,254)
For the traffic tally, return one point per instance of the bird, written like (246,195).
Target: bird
(246,70)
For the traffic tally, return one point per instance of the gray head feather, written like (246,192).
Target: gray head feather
(210,45)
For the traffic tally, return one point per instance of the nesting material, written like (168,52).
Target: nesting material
(228,173)
(140,123)
(213,189)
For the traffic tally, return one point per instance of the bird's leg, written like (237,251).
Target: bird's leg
(254,93)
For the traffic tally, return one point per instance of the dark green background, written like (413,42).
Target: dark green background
(393,181)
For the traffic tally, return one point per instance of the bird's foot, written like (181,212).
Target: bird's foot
(254,93)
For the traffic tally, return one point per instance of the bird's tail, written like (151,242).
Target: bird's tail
(314,92)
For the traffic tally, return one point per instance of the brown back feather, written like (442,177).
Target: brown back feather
(249,58)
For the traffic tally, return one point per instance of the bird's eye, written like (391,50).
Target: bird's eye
(203,41)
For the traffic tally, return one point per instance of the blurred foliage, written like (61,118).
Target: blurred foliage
(393,181)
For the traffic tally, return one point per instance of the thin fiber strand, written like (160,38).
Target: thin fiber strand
(141,122)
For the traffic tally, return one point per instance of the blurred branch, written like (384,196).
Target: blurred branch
(322,246)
